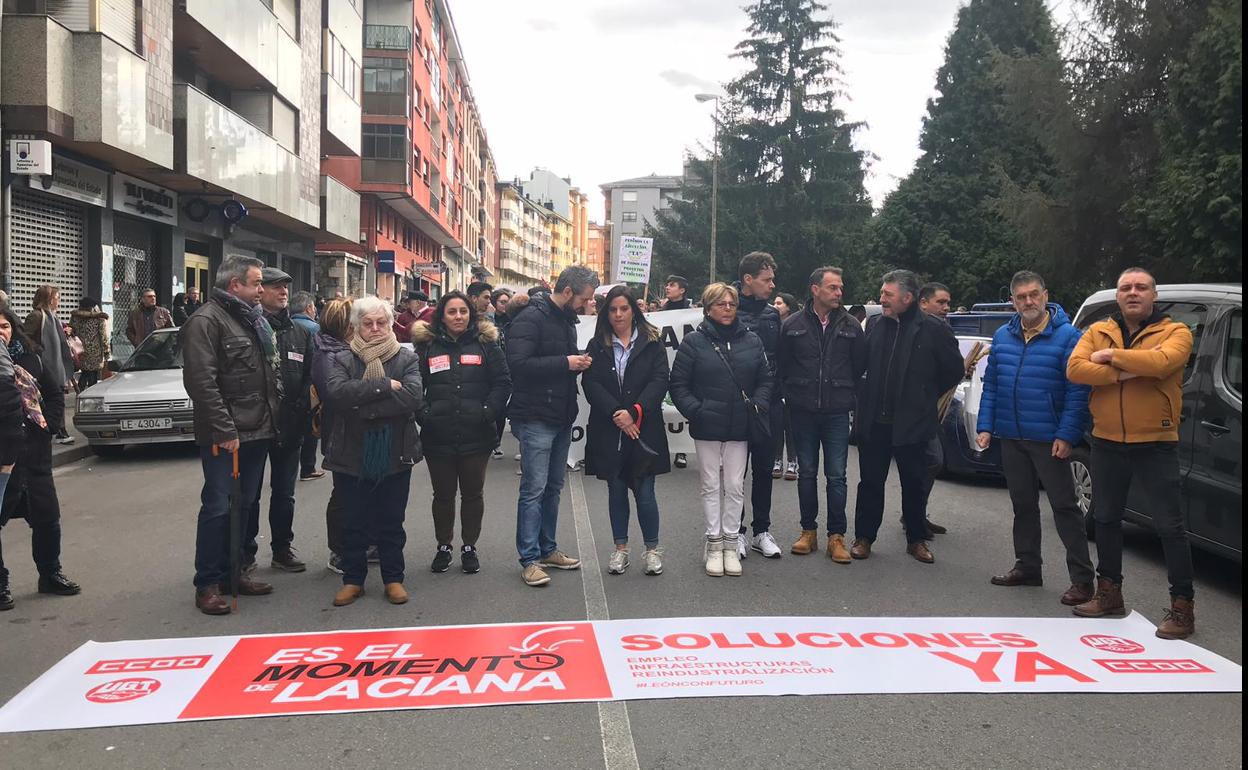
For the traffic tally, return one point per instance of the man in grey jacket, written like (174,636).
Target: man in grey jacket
(230,370)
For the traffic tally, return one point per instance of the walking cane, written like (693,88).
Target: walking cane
(236,521)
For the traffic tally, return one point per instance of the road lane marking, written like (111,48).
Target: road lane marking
(618,749)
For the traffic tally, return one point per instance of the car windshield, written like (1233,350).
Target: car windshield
(162,350)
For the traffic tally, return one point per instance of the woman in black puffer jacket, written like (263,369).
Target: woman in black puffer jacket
(710,396)
(467,385)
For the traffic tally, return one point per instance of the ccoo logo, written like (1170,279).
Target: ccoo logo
(120,690)
(1107,643)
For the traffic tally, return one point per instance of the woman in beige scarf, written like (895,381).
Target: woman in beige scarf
(375,390)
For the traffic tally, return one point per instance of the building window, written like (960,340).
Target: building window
(630,196)
(384,141)
(383,75)
(629,216)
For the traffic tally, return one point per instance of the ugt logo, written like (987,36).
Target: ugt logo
(1106,643)
(120,690)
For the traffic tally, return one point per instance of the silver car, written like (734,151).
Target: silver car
(144,402)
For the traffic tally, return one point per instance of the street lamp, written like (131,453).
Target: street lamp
(714,173)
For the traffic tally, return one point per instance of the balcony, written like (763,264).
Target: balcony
(435,205)
(386,103)
(340,125)
(387,37)
(221,34)
(217,145)
(340,210)
(384,171)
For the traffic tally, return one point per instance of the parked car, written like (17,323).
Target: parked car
(1211,426)
(144,402)
(978,323)
(957,432)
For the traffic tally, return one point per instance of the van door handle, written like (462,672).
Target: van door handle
(1214,427)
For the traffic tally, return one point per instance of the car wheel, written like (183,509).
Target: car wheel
(1081,474)
(107,450)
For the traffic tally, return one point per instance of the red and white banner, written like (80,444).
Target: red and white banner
(176,680)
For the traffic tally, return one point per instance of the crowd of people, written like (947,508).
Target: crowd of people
(272,379)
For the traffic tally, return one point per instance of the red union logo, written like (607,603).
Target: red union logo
(134,665)
(1117,644)
(1154,666)
(120,690)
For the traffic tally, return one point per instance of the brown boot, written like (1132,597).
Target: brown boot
(1078,593)
(249,587)
(347,594)
(395,593)
(837,550)
(861,549)
(808,542)
(1180,619)
(1106,601)
(1016,577)
(921,552)
(210,602)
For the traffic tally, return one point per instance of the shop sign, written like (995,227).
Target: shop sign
(76,181)
(30,156)
(428,267)
(385,261)
(144,199)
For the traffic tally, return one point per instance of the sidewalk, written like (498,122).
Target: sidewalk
(63,454)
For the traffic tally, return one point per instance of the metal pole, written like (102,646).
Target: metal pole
(714,187)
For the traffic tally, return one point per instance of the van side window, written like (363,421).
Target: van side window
(1193,316)
(1233,358)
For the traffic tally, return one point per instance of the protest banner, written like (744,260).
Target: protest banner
(632,264)
(229,677)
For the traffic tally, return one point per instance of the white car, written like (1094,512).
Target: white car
(144,402)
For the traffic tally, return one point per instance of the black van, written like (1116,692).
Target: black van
(1210,431)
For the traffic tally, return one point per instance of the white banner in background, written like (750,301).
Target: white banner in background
(231,677)
(673,326)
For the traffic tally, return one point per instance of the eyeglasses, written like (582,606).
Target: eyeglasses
(725,305)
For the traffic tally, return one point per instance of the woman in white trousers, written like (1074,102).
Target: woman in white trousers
(720,382)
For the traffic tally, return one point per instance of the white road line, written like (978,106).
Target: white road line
(618,750)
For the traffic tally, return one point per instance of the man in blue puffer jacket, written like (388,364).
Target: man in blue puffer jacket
(1039,415)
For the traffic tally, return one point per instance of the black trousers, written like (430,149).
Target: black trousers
(1156,467)
(31,495)
(467,474)
(1028,464)
(307,455)
(875,455)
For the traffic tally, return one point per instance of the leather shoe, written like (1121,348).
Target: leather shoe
(1077,594)
(935,528)
(347,594)
(249,587)
(1016,577)
(395,593)
(57,583)
(210,602)
(861,549)
(921,552)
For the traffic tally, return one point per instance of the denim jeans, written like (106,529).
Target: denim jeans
(811,432)
(212,532)
(543,466)
(875,454)
(283,474)
(374,511)
(762,457)
(307,451)
(647,510)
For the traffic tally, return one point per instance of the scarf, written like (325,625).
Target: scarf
(253,318)
(29,390)
(377,442)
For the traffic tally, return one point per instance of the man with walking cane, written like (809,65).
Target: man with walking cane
(230,370)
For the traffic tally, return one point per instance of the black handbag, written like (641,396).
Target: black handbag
(759,422)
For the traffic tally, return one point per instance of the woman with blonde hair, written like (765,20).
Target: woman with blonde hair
(374,391)
(722,384)
(52,346)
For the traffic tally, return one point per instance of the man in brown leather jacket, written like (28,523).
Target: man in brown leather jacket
(230,370)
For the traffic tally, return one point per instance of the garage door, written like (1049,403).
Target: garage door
(47,244)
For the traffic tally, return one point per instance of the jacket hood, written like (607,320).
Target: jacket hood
(326,343)
(83,315)
(1057,319)
(422,332)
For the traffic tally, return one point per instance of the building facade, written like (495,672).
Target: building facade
(525,239)
(631,203)
(596,251)
(178,136)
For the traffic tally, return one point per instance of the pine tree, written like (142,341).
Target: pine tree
(790,179)
(945,219)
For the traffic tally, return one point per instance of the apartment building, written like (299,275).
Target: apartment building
(599,238)
(525,239)
(631,203)
(178,135)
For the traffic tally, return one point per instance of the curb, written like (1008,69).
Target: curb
(71,454)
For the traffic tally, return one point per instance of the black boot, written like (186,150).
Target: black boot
(57,583)
(6,598)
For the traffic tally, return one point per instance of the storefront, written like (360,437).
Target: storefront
(143,214)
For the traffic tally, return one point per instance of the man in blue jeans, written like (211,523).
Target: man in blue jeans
(544,361)
(230,371)
(821,358)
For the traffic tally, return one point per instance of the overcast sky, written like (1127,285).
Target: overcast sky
(601,90)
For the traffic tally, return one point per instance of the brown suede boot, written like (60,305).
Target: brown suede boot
(396,593)
(1106,601)
(808,542)
(837,550)
(347,594)
(1180,619)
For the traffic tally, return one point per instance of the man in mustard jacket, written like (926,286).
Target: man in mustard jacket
(1134,361)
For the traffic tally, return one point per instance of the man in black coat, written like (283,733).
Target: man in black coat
(544,361)
(674,292)
(823,354)
(757,280)
(912,358)
(294,346)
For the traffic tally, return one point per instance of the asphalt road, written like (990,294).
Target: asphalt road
(129,537)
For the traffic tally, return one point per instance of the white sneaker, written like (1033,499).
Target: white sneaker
(743,546)
(618,562)
(517,457)
(497,454)
(654,562)
(732,564)
(715,558)
(766,545)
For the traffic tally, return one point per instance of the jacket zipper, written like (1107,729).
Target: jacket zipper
(888,373)
(1018,423)
(823,351)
